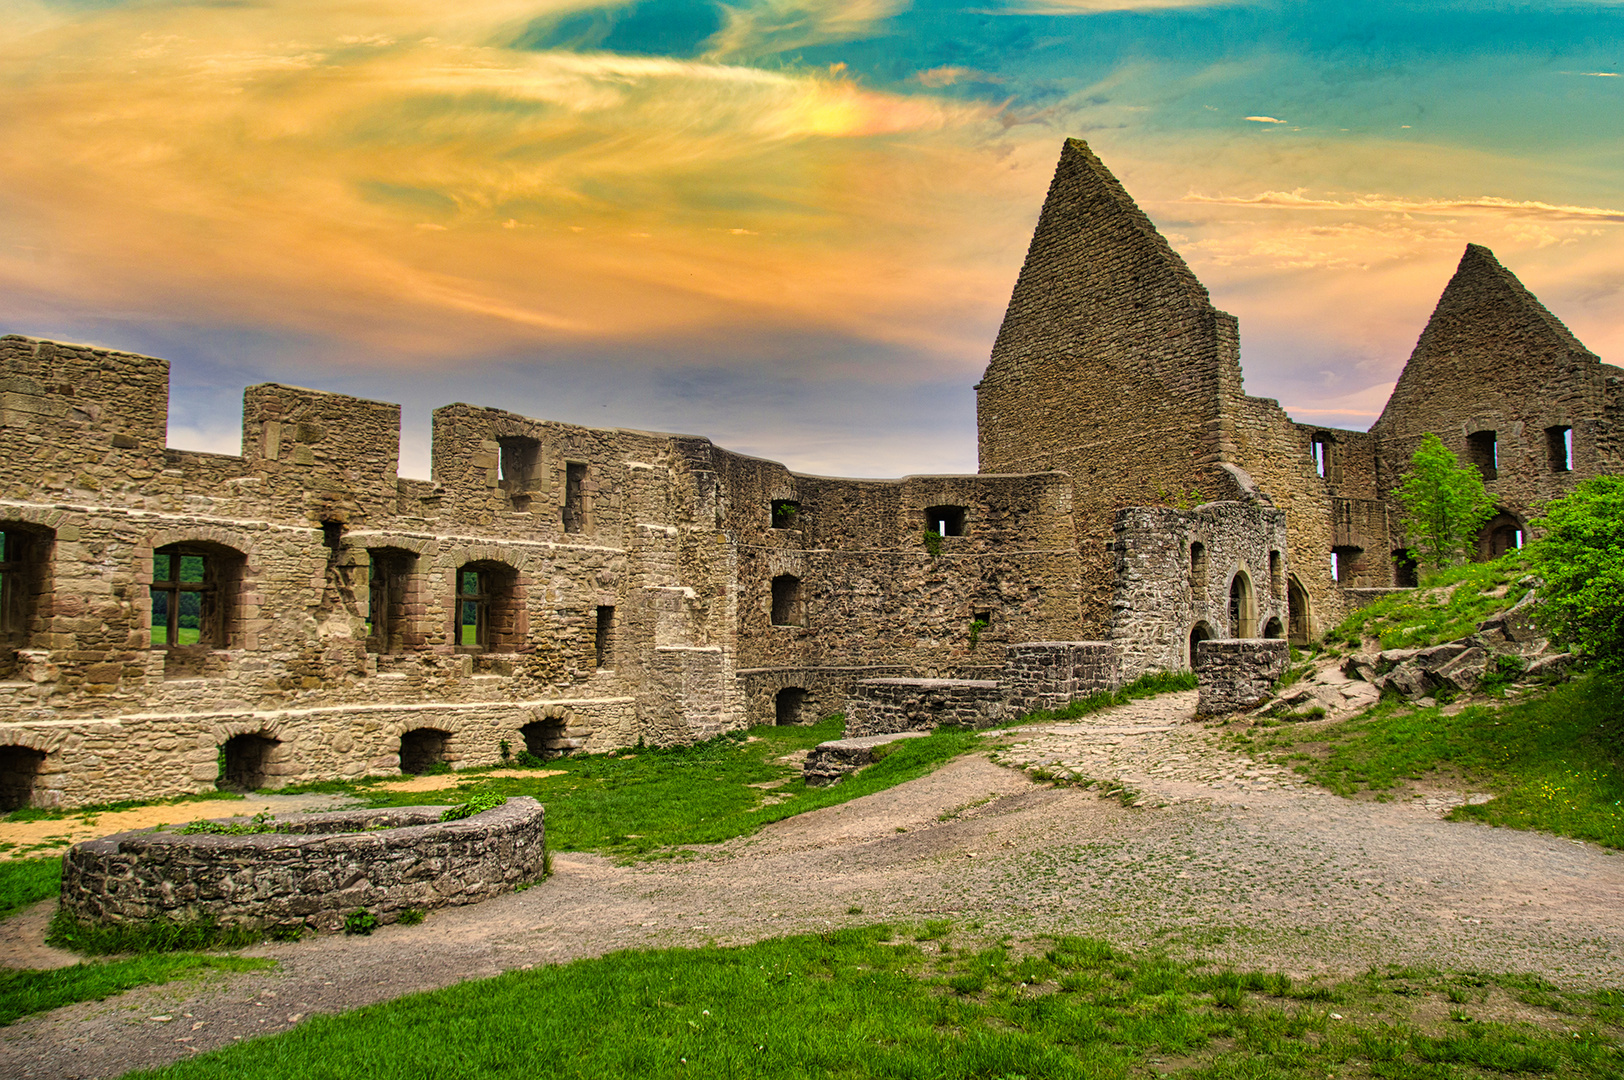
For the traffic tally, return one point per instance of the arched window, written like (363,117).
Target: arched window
(1503,533)
(1273,630)
(193,589)
(1299,627)
(1242,607)
(787,705)
(1198,633)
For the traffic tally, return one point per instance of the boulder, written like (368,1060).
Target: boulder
(1555,665)
(1515,624)
(1465,671)
(1361,666)
(1409,679)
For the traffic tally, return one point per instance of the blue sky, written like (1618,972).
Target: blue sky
(790,225)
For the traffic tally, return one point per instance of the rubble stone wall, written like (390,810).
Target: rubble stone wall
(383,861)
(882,706)
(1053,674)
(1234,675)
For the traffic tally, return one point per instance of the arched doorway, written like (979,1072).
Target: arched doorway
(1242,607)
(1298,626)
(1503,533)
(1198,633)
(244,762)
(1273,630)
(788,704)
(421,749)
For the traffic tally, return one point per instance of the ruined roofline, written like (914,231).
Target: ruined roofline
(1477,267)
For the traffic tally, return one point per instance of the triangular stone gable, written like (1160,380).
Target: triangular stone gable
(1485,323)
(1097,280)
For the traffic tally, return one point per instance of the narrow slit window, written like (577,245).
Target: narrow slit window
(1319,449)
(603,642)
(574,497)
(473,609)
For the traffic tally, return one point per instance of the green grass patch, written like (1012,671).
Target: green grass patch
(152,936)
(873,1002)
(647,802)
(25,992)
(1554,763)
(28,881)
(1436,613)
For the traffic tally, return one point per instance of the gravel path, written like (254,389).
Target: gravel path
(1225,859)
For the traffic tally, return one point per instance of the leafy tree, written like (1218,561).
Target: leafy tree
(1444,504)
(1580,556)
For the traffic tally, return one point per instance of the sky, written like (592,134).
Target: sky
(789,225)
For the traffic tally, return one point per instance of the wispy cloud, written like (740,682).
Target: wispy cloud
(1489,204)
(1265,120)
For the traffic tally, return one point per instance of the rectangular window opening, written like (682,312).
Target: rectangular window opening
(945,520)
(604,641)
(1320,450)
(1483,451)
(574,497)
(1559,443)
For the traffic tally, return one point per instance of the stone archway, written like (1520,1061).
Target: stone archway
(1198,633)
(245,762)
(1242,606)
(1299,626)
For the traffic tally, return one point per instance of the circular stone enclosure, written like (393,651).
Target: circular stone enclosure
(323,868)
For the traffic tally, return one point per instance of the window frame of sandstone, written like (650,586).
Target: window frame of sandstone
(475,601)
(1346,563)
(496,603)
(389,572)
(1277,576)
(212,586)
(23,554)
(1559,447)
(788,601)
(1242,606)
(1273,630)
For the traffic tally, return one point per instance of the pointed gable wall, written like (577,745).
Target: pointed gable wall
(1494,359)
(1110,365)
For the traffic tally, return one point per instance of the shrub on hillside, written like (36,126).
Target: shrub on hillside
(1580,556)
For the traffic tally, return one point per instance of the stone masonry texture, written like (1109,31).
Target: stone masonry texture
(633,587)
(1237,674)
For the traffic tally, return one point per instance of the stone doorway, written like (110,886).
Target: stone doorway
(245,763)
(788,704)
(19,771)
(423,748)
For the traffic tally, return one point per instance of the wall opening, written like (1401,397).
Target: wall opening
(486,610)
(1406,572)
(789,607)
(20,767)
(786,514)
(945,520)
(1298,627)
(1198,568)
(574,497)
(1277,575)
(245,763)
(1242,607)
(1502,533)
(1345,564)
(788,705)
(194,587)
(1319,450)
(421,749)
(1483,451)
(24,563)
(1198,633)
(387,577)
(546,739)
(1559,448)
(603,640)
(1273,630)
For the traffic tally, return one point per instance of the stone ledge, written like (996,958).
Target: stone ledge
(830,761)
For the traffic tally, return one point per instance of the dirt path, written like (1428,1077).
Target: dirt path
(1242,864)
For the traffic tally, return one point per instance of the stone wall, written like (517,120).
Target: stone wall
(1053,674)
(388,861)
(1234,675)
(882,706)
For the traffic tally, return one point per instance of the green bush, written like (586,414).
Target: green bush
(1444,504)
(1580,557)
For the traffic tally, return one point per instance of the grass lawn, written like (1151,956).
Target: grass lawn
(25,992)
(1554,763)
(1436,613)
(926,1003)
(27,881)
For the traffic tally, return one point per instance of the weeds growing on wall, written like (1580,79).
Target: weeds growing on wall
(934,1002)
(1554,763)
(1448,605)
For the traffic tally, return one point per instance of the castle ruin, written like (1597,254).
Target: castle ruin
(301,612)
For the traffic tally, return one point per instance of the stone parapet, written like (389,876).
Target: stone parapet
(881,706)
(384,861)
(1237,673)
(1052,674)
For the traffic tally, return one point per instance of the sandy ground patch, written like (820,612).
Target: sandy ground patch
(446,780)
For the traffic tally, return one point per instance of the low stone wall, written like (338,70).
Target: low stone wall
(1238,673)
(1052,674)
(881,706)
(382,860)
(829,761)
